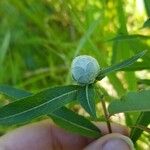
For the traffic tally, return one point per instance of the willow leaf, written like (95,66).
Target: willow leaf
(63,117)
(120,65)
(44,102)
(75,123)
(13,93)
(86,98)
(133,101)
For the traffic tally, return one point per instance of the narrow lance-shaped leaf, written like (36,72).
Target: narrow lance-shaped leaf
(143,120)
(147,7)
(127,37)
(13,93)
(63,117)
(137,66)
(144,81)
(120,66)
(86,97)
(75,123)
(44,102)
(147,23)
(133,101)
(87,35)
(146,129)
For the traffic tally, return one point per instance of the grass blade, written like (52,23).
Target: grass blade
(143,120)
(86,36)
(4,47)
(120,38)
(146,129)
(147,7)
(146,24)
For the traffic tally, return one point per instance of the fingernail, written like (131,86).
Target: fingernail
(123,143)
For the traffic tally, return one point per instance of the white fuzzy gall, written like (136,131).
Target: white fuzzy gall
(84,69)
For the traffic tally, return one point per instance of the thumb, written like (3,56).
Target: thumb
(114,141)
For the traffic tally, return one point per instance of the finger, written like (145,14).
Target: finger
(45,136)
(114,141)
(42,136)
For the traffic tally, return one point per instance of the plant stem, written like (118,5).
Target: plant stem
(106,116)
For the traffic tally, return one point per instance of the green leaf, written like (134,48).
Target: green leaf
(63,117)
(147,7)
(87,35)
(86,98)
(147,23)
(127,37)
(120,66)
(133,101)
(143,120)
(44,102)
(4,47)
(117,84)
(137,66)
(75,123)
(146,129)
(144,81)
(13,93)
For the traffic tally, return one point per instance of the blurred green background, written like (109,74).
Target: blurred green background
(39,39)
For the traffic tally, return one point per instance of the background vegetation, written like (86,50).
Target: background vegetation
(39,39)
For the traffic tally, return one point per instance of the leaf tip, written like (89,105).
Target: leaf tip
(143,52)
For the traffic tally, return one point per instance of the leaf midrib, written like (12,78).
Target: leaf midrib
(87,97)
(75,124)
(123,64)
(33,108)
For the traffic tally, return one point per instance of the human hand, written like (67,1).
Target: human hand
(45,136)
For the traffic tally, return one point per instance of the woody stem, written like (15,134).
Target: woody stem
(106,116)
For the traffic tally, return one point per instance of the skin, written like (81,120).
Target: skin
(46,136)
